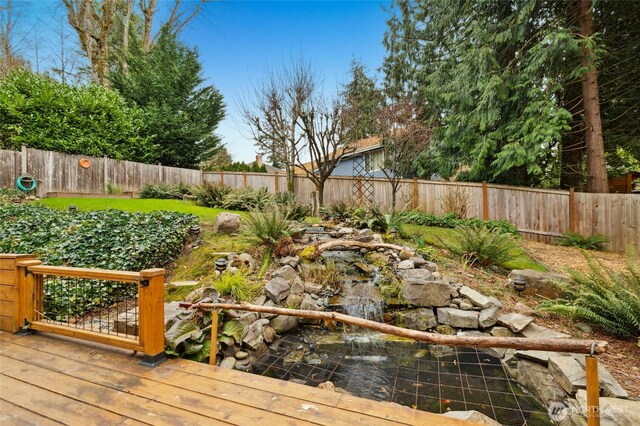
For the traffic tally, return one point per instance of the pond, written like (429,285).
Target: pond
(384,368)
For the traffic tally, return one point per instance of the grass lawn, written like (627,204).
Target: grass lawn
(207,215)
(437,236)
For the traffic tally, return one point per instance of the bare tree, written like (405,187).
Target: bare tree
(403,135)
(176,22)
(324,129)
(64,61)
(9,58)
(273,115)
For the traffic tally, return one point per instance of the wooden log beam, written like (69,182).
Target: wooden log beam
(352,244)
(557,345)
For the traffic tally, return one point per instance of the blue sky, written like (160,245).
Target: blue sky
(241,41)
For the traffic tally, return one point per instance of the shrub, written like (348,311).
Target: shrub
(237,286)
(603,297)
(246,199)
(328,277)
(451,220)
(163,191)
(285,247)
(341,210)
(592,242)
(9,195)
(456,201)
(268,226)
(481,246)
(211,194)
(114,189)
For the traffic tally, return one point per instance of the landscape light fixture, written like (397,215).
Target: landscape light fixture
(519,284)
(72,208)
(195,229)
(221,265)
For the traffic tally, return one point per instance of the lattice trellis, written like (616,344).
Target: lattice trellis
(363,182)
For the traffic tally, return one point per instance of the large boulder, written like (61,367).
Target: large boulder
(488,317)
(227,223)
(253,338)
(568,373)
(539,283)
(277,289)
(285,272)
(283,323)
(416,319)
(419,288)
(458,318)
(515,322)
(540,382)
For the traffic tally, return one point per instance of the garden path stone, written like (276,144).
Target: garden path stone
(488,317)
(227,223)
(228,362)
(515,322)
(277,289)
(569,374)
(458,318)
(535,331)
(474,297)
(417,319)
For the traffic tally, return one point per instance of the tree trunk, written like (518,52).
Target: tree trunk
(148,13)
(125,38)
(596,166)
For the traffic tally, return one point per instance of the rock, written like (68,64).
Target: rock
(471,333)
(472,416)
(419,289)
(270,304)
(269,334)
(377,259)
(416,319)
(515,322)
(285,272)
(312,288)
(253,338)
(465,305)
(182,283)
(569,374)
(502,332)
(308,303)
(297,287)
(260,350)
(250,317)
(364,267)
(540,382)
(523,309)
(228,362)
(364,232)
(293,301)
(283,323)
(458,318)
(436,274)
(539,283)
(430,266)
(327,386)
(405,255)
(495,302)
(240,355)
(377,239)
(584,327)
(456,301)
(244,261)
(289,260)
(535,331)
(609,386)
(474,297)
(406,264)
(613,411)
(227,223)
(541,357)
(172,312)
(488,317)
(345,231)
(446,329)
(277,289)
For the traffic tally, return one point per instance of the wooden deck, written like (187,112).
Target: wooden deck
(46,379)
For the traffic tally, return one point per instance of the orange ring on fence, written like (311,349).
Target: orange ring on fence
(84,163)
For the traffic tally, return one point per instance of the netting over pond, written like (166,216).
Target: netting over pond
(427,377)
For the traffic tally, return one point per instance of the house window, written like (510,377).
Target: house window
(374,161)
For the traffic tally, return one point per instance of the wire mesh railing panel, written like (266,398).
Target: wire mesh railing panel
(101,306)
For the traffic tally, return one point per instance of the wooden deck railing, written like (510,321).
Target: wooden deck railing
(118,308)
(589,347)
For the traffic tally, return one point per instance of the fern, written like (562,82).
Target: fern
(592,242)
(482,246)
(603,297)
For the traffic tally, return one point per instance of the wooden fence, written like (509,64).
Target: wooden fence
(539,214)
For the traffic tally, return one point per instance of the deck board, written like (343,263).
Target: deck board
(64,380)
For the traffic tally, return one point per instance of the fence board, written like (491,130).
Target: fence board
(9,168)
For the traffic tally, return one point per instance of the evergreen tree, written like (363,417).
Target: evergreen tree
(181,114)
(362,101)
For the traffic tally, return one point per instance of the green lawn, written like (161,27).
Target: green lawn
(206,214)
(436,236)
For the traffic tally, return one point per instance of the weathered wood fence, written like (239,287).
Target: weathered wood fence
(539,214)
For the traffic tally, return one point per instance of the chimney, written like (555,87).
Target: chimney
(259,160)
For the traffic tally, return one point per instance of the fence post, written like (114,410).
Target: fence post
(244,180)
(415,197)
(30,293)
(151,312)
(23,160)
(159,173)
(593,391)
(276,182)
(485,201)
(105,171)
(222,177)
(572,210)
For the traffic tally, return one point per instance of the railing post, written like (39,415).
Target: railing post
(151,311)
(485,201)
(593,391)
(30,293)
(214,337)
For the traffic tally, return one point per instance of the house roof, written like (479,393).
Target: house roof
(363,145)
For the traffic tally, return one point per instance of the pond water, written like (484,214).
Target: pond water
(426,377)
